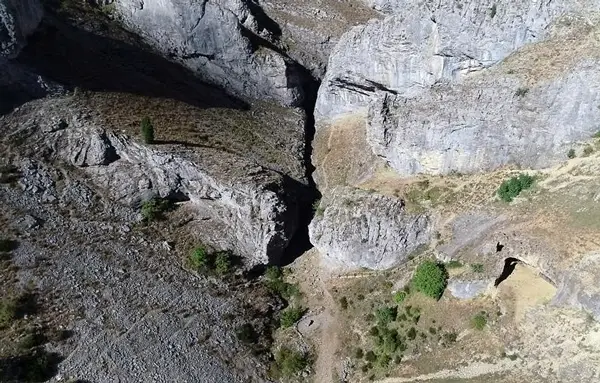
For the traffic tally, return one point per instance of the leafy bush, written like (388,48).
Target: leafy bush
(400,296)
(289,363)
(358,353)
(430,279)
(571,153)
(477,267)
(154,208)
(386,315)
(479,321)
(147,130)
(511,188)
(273,273)
(200,258)
(223,262)
(450,337)
(411,334)
(246,333)
(290,316)
(389,341)
(587,151)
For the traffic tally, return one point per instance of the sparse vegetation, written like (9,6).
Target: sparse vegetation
(453,264)
(587,151)
(8,311)
(223,262)
(521,92)
(479,321)
(430,279)
(289,363)
(290,316)
(344,303)
(571,153)
(147,130)
(511,188)
(477,267)
(400,296)
(275,283)
(199,258)
(386,315)
(154,209)
(317,209)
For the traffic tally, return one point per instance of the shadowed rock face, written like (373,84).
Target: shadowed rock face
(18,19)
(222,41)
(354,228)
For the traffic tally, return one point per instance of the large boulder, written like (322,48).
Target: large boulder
(354,228)
(18,18)
(223,41)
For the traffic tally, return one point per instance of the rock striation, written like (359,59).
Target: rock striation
(18,19)
(354,228)
(226,42)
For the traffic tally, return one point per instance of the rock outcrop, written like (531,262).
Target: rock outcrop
(235,204)
(226,43)
(487,121)
(354,228)
(18,19)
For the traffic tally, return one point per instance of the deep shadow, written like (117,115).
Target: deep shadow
(77,58)
(499,247)
(509,267)
(37,366)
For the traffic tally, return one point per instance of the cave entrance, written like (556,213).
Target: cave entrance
(509,267)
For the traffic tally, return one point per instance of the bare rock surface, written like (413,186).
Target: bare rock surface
(354,228)
(226,43)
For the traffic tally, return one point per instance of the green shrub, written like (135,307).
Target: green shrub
(571,153)
(374,331)
(223,262)
(400,296)
(453,264)
(277,285)
(200,258)
(383,360)
(30,340)
(432,330)
(511,188)
(389,341)
(493,10)
(317,209)
(430,279)
(273,273)
(154,209)
(289,363)
(386,315)
(587,151)
(147,130)
(290,316)
(246,333)
(477,267)
(411,334)
(479,321)
(450,337)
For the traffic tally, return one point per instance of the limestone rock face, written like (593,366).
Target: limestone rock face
(486,122)
(18,18)
(221,40)
(354,228)
(235,204)
(578,286)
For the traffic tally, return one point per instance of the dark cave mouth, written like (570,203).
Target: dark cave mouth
(509,266)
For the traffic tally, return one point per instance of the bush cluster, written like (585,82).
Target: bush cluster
(479,321)
(276,284)
(154,209)
(430,279)
(289,363)
(204,261)
(511,188)
(290,316)
(147,130)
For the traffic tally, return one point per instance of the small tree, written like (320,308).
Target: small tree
(223,262)
(147,130)
(199,258)
(430,279)
(479,321)
(290,316)
(571,153)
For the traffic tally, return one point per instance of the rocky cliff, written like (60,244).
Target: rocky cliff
(18,19)
(237,205)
